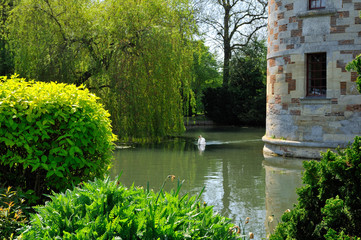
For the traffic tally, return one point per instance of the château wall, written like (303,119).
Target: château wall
(298,125)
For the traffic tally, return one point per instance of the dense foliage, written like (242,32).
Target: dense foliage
(6,58)
(107,210)
(136,55)
(11,213)
(206,75)
(243,100)
(51,135)
(329,204)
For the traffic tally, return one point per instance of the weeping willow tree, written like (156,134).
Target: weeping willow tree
(135,54)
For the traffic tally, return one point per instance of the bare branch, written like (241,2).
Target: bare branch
(234,20)
(248,38)
(52,16)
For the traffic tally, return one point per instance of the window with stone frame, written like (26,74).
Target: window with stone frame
(316,75)
(317,4)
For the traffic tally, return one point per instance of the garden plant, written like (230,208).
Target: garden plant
(105,209)
(51,136)
(12,211)
(329,204)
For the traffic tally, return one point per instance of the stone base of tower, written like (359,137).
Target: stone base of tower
(296,149)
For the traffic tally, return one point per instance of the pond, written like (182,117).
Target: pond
(239,181)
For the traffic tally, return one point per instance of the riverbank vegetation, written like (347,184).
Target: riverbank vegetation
(104,209)
(143,61)
(206,75)
(146,60)
(243,100)
(57,136)
(329,203)
(137,56)
(52,135)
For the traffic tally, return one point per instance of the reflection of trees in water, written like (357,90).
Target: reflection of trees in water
(241,184)
(232,173)
(153,162)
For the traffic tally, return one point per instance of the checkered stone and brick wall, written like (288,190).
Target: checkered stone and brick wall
(293,119)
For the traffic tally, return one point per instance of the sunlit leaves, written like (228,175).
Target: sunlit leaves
(153,68)
(11,213)
(136,55)
(56,132)
(108,210)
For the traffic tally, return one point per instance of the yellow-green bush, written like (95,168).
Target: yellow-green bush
(51,135)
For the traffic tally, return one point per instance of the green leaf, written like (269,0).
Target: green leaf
(70,142)
(53,165)
(63,152)
(45,166)
(29,118)
(35,167)
(8,142)
(75,149)
(50,173)
(59,174)
(54,150)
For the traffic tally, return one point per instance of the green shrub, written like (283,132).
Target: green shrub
(104,209)
(51,135)
(329,204)
(11,213)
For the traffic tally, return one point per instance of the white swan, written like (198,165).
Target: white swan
(201,140)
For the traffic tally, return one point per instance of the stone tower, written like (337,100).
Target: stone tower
(312,101)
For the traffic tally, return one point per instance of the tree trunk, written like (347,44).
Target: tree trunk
(227,45)
(227,57)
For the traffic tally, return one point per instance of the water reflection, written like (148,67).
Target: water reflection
(238,182)
(283,176)
(201,148)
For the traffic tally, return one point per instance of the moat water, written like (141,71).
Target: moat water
(239,181)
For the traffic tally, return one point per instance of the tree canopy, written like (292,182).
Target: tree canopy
(136,55)
(206,75)
(231,24)
(243,100)
(6,59)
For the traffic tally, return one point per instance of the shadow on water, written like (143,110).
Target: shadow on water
(238,181)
